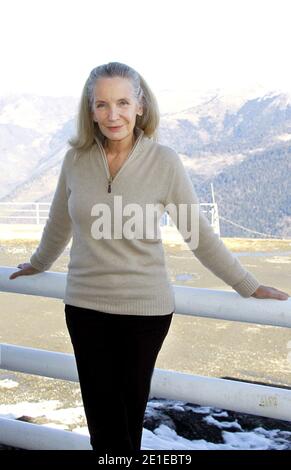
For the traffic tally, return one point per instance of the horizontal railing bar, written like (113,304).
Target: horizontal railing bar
(23,203)
(218,304)
(29,436)
(262,400)
(48,203)
(55,365)
(19,217)
(21,210)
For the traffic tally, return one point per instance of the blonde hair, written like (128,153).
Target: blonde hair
(87,129)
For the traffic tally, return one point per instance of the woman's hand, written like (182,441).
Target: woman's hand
(26,269)
(265,292)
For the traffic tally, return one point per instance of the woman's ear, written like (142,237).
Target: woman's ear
(139,108)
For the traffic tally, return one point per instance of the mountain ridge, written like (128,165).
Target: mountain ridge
(237,142)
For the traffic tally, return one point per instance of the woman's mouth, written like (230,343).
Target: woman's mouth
(115,128)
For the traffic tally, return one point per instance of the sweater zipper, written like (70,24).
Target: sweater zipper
(109,184)
(109,177)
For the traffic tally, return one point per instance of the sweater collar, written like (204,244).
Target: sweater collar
(142,140)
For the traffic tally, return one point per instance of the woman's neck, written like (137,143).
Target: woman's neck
(117,147)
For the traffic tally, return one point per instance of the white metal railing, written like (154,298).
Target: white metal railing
(37,213)
(27,212)
(210,303)
(243,397)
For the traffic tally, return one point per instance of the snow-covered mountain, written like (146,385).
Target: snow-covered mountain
(226,122)
(43,114)
(33,129)
(242,144)
(234,138)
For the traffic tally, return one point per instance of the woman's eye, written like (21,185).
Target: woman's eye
(102,104)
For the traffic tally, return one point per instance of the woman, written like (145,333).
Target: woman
(119,301)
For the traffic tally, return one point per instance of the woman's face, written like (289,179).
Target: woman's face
(115,107)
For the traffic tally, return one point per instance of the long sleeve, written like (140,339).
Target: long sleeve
(58,228)
(209,249)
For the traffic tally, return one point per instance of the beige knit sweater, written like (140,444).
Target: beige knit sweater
(109,270)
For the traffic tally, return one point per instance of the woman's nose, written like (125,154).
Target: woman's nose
(113,113)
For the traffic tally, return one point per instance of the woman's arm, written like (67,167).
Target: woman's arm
(58,229)
(209,248)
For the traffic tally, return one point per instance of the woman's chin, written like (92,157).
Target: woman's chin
(116,135)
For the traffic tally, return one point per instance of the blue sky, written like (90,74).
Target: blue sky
(50,46)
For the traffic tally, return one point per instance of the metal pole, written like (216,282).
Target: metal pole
(243,397)
(35,437)
(209,303)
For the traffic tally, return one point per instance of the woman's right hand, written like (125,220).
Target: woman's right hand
(26,269)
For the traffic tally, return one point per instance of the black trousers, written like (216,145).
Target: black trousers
(115,356)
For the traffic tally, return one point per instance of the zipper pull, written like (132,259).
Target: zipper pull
(109,184)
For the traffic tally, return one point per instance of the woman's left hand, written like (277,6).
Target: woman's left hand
(265,292)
